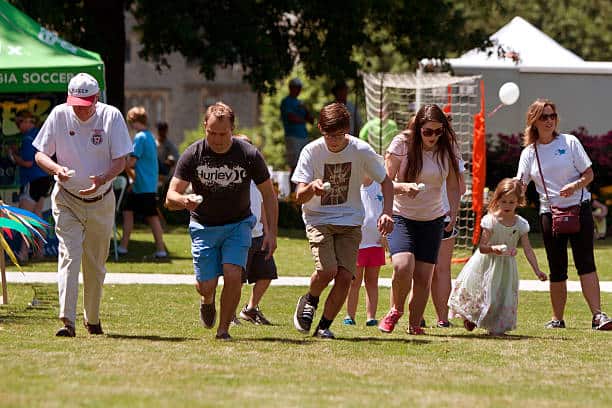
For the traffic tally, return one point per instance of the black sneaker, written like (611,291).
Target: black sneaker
(423,323)
(443,324)
(93,328)
(601,321)
(66,331)
(208,315)
(324,334)
(304,315)
(254,316)
(235,321)
(223,336)
(555,324)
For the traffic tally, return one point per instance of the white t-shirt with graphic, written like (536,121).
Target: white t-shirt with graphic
(85,147)
(344,171)
(256,204)
(372,199)
(563,160)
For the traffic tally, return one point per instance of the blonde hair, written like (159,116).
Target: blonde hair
(137,114)
(507,186)
(219,110)
(534,112)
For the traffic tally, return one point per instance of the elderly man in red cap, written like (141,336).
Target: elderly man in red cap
(90,141)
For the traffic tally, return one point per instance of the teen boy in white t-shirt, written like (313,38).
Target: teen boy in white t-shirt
(328,177)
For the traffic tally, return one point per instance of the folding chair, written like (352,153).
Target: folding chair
(120,184)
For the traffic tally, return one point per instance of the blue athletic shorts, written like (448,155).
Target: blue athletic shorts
(421,238)
(213,246)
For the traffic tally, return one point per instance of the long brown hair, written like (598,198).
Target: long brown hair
(534,112)
(446,143)
(507,186)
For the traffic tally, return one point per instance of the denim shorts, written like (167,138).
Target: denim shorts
(421,238)
(213,246)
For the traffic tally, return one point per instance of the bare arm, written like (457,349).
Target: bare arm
(385,221)
(453,187)
(305,191)
(392,165)
(270,206)
(585,179)
(175,198)
(484,246)
(51,167)
(19,160)
(116,167)
(531,257)
(129,168)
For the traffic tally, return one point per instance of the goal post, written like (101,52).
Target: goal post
(392,99)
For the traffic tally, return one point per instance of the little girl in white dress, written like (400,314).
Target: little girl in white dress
(486,291)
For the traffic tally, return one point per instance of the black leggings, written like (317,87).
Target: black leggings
(581,242)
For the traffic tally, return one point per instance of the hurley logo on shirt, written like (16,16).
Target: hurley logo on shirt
(560,152)
(223,176)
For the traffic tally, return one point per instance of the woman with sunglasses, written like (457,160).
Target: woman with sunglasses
(420,161)
(561,177)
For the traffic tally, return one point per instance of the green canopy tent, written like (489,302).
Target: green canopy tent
(35,68)
(34,59)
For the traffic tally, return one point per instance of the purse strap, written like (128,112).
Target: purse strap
(535,146)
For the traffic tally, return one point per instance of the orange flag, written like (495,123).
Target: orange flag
(479,166)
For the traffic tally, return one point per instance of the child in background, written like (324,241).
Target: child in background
(600,211)
(371,255)
(486,290)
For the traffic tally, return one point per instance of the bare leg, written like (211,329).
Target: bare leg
(338,293)
(420,292)
(371,285)
(207,290)
(158,233)
(441,280)
(353,296)
(128,226)
(230,296)
(558,298)
(319,281)
(401,282)
(259,289)
(590,290)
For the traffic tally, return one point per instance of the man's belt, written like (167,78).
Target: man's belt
(90,199)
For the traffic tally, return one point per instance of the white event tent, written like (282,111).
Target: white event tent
(582,90)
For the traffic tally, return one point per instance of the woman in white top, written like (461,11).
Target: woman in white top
(420,165)
(566,171)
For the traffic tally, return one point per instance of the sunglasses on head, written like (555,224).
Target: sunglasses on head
(545,116)
(427,132)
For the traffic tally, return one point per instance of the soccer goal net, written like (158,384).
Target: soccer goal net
(392,99)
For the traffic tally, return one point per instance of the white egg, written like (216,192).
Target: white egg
(327,186)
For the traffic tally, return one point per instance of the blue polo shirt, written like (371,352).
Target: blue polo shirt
(293,105)
(27,153)
(147,171)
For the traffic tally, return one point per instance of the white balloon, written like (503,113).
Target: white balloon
(509,93)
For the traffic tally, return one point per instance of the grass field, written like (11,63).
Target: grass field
(292,256)
(155,353)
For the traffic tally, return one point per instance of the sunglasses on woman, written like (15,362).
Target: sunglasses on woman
(545,116)
(427,132)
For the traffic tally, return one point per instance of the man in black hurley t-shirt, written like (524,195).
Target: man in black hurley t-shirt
(220,169)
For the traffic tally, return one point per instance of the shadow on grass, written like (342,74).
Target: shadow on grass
(485,336)
(284,340)
(371,339)
(150,337)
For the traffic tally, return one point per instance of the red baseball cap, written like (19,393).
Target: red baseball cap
(82,90)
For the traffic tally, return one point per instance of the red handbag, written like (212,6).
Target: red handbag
(564,220)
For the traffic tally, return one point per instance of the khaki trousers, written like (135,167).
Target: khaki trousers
(84,231)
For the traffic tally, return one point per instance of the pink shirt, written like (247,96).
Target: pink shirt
(427,205)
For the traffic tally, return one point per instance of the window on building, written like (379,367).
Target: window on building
(155,103)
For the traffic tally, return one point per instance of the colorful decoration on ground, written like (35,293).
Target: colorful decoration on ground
(16,221)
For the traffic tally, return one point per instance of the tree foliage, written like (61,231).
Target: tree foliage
(268,37)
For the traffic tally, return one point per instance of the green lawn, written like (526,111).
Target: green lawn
(292,256)
(155,353)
